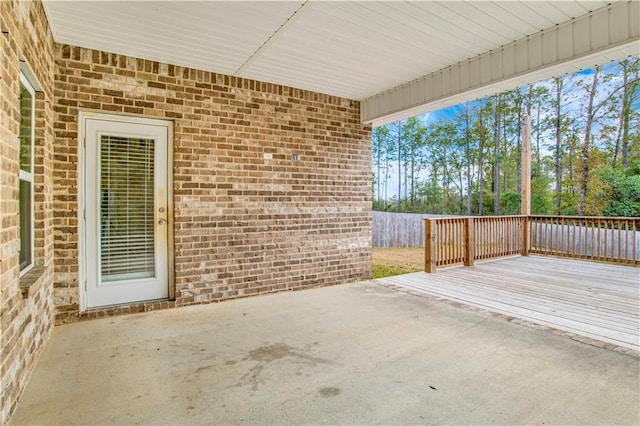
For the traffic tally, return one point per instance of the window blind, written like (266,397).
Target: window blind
(127,208)
(25,189)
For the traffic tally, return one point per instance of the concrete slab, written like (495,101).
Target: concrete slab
(352,354)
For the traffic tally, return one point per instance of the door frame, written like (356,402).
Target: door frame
(83,116)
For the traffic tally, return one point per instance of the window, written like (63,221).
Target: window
(27,136)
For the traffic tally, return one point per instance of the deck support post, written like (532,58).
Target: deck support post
(525,185)
(525,177)
(526,235)
(430,245)
(469,242)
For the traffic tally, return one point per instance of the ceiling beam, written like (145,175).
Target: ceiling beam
(609,33)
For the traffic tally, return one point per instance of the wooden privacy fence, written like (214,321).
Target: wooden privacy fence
(399,229)
(463,240)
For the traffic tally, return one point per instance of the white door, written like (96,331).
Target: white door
(126,229)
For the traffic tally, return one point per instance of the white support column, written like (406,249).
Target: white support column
(606,34)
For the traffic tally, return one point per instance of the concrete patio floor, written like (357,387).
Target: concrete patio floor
(351,354)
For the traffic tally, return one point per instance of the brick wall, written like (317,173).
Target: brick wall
(26,304)
(244,225)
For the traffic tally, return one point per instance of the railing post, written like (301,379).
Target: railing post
(430,245)
(469,242)
(526,235)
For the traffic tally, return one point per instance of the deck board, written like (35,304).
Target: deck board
(595,300)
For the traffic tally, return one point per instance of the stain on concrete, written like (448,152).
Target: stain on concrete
(267,354)
(270,353)
(329,392)
(204,367)
(252,378)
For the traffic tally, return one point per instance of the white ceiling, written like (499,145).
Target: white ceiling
(353,49)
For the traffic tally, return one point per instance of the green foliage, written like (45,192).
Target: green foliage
(511,203)
(541,196)
(622,195)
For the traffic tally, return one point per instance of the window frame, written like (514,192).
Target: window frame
(28,176)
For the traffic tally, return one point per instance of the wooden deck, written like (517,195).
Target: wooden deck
(595,300)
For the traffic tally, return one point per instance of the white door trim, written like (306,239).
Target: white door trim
(83,116)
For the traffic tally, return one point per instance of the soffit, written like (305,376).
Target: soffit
(353,49)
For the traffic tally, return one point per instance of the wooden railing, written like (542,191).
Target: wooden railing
(610,239)
(446,242)
(463,240)
(498,236)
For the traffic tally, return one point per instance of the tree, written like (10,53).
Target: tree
(380,138)
(468,156)
(586,142)
(557,104)
(397,133)
(497,110)
(622,194)
(581,125)
(482,134)
(630,69)
(538,99)
(414,133)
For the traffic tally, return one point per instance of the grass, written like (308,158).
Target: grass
(396,261)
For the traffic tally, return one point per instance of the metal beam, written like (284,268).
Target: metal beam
(607,34)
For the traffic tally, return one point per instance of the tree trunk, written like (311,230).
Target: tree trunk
(528,114)
(505,150)
(434,188)
(538,165)
(621,119)
(625,137)
(558,131)
(468,142)
(406,178)
(571,148)
(386,187)
(626,112)
(586,147)
(413,170)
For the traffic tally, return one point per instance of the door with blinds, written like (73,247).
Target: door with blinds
(126,217)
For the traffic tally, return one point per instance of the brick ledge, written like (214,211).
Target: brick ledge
(29,279)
